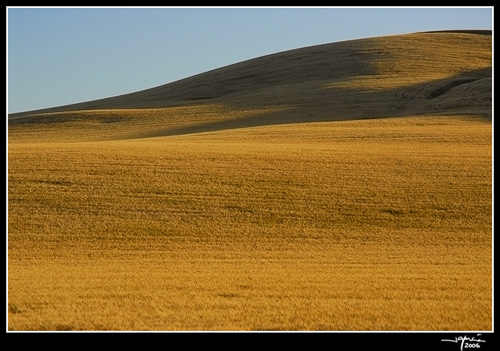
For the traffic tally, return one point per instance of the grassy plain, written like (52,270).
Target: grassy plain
(360,225)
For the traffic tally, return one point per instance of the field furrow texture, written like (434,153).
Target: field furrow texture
(360,225)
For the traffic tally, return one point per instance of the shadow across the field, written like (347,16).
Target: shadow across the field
(469,93)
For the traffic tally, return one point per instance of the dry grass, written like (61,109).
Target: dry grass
(363,225)
(374,77)
(117,124)
(419,59)
(232,200)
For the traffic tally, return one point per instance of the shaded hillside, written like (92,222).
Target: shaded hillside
(423,73)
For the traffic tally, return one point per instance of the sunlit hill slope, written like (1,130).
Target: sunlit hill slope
(438,73)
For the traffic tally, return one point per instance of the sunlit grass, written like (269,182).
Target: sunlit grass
(412,59)
(365,225)
(115,124)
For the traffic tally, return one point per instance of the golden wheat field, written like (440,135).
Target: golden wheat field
(361,225)
(340,187)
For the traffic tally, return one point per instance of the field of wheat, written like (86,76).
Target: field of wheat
(379,224)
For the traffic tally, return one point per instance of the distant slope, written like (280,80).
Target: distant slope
(422,73)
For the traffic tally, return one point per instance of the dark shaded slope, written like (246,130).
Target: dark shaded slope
(323,62)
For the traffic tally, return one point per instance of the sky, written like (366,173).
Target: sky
(58,56)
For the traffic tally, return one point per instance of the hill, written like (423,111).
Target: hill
(438,73)
(375,224)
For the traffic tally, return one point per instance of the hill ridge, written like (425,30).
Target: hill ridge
(438,72)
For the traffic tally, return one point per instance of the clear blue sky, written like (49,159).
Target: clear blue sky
(58,56)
